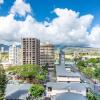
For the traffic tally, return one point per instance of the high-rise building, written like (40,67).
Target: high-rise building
(31,51)
(47,54)
(14,55)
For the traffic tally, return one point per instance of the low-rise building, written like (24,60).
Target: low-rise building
(69,96)
(66,76)
(16,91)
(54,88)
(68,68)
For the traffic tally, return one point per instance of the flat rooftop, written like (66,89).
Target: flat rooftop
(61,71)
(64,85)
(69,96)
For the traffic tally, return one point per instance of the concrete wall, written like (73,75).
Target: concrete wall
(68,79)
(54,92)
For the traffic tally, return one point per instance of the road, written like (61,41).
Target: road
(52,76)
(88,82)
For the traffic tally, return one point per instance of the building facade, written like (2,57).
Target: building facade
(57,57)
(30,51)
(47,54)
(14,55)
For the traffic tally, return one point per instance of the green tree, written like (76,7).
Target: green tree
(76,60)
(91,61)
(45,68)
(88,71)
(91,96)
(3,82)
(81,68)
(97,73)
(30,72)
(36,90)
(81,63)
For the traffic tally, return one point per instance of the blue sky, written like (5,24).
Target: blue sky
(43,8)
(37,13)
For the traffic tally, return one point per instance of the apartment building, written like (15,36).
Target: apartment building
(31,51)
(47,54)
(14,55)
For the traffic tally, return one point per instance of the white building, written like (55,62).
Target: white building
(14,55)
(5,64)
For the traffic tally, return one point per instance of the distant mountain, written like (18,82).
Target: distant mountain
(60,46)
(63,46)
(6,47)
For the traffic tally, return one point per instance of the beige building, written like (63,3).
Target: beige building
(47,54)
(31,51)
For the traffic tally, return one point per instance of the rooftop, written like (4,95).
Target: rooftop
(17,91)
(61,71)
(69,96)
(63,85)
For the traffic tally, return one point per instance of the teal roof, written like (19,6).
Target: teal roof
(17,91)
(69,96)
(64,85)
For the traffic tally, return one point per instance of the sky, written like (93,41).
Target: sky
(61,22)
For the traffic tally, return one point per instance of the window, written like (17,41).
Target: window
(49,88)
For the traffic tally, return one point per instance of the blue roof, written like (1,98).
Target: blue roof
(17,91)
(64,85)
(69,96)
(61,71)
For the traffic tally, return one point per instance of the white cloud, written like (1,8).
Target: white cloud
(94,37)
(20,7)
(67,28)
(1,1)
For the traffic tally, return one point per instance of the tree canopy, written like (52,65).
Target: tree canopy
(91,96)
(29,71)
(36,90)
(3,82)
(90,67)
(97,72)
